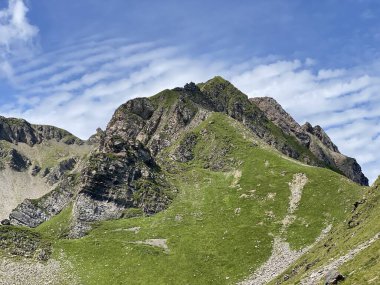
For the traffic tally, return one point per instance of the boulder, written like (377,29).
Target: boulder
(334,277)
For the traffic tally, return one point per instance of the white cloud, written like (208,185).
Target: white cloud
(6,69)
(79,88)
(346,102)
(16,33)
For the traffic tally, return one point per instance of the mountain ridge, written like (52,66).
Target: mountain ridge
(314,138)
(199,168)
(143,127)
(16,131)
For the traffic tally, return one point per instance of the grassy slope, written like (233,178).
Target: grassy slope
(364,268)
(208,242)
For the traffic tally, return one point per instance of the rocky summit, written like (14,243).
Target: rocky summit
(313,138)
(195,185)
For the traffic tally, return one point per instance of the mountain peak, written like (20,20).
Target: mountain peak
(214,82)
(313,138)
(218,79)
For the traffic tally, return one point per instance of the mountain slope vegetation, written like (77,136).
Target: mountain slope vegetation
(222,224)
(195,185)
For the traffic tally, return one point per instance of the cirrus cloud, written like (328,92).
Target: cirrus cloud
(78,88)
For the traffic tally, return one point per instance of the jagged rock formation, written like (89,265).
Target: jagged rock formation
(20,131)
(321,135)
(160,120)
(118,176)
(55,174)
(34,212)
(123,171)
(217,149)
(14,160)
(281,118)
(314,138)
(97,137)
(33,160)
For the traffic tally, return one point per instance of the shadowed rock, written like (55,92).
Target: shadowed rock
(124,170)
(20,131)
(313,138)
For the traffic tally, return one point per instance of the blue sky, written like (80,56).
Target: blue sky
(71,63)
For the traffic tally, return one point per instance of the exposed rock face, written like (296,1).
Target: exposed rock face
(184,151)
(57,172)
(20,131)
(17,130)
(24,150)
(32,213)
(28,214)
(160,120)
(334,277)
(97,138)
(314,138)
(53,133)
(17,161)
(321,135)
(123,171)
(157,126)
(228,99)
(121,176)
(281,118)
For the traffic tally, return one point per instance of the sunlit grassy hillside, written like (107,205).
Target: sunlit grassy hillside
(230,203)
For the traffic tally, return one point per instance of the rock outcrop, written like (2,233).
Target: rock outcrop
(184,152)
(160,120)
(140,129)
(24,243)
(124,171)
(313,138)
(334,277)
(33,160)
(20,131)
(120,176)
(32,213)
(97,138)
(55,174)
(14,160)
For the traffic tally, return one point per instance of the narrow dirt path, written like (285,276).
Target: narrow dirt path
(315,276)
